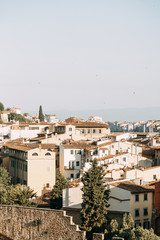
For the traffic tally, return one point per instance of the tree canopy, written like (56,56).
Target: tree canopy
(56,197)
(95,200)
(128,231)
(14,194)
(17,117)
(1,106)
(41,116)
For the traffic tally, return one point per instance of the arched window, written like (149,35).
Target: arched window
(35,154)
(47,154)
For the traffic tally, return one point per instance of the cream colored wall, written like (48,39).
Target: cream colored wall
(41,169)
(41,172)
(148,174)
(141,204)
(133,174)
(72,197)
(4,117)
(116,174)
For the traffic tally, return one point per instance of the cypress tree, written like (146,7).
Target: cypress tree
(1,106)
(95,200)
(41,116)
(56,197)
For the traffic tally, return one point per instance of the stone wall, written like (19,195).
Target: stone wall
(38,224)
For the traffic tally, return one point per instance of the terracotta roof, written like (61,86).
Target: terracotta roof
(156,148)
(114,134)
(133,188)
(146,169)
(100,145)
(29,146)
(82,123)
(111,156)
(75,145)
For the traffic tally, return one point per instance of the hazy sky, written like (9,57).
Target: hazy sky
(79,54)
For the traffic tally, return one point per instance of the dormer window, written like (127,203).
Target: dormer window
(35,154)
(47,154)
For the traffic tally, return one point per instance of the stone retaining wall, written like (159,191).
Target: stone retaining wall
(39,224)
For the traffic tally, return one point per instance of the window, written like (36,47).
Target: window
(35,154)
(124,159)
(77,151)
(70,129)
(24,182)
(146,224)
(137,223)
(103,151)
(116,160)
(47,154)
(72,175)
(112,146)
(82,130)
(18,180)
(77,175)
(145,211)
(94,130)
(25,167)
(154,177)
(100,131)
(137,212)
(145,196)
(12,163)
(72,164)
(77,163)
(137,198)
(72,152)
(47,185)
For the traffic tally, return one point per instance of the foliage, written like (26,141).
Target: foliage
(95,200)
(5,179)
(128,231)
(127,221)
(41,116)
(22,195)
(113,229)
(8,109)
(16,117)
(13,194)
(1,106)
(56,197)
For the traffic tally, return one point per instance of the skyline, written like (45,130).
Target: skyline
(80,55)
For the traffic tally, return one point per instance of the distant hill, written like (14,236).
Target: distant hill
(124,114)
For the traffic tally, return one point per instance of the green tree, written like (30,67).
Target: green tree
(5,179)
(127,221)
(56,197)
(1,106)
(41,116)
(95,200)
(14,194)
(23,194)
(16,117)
(128,231)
